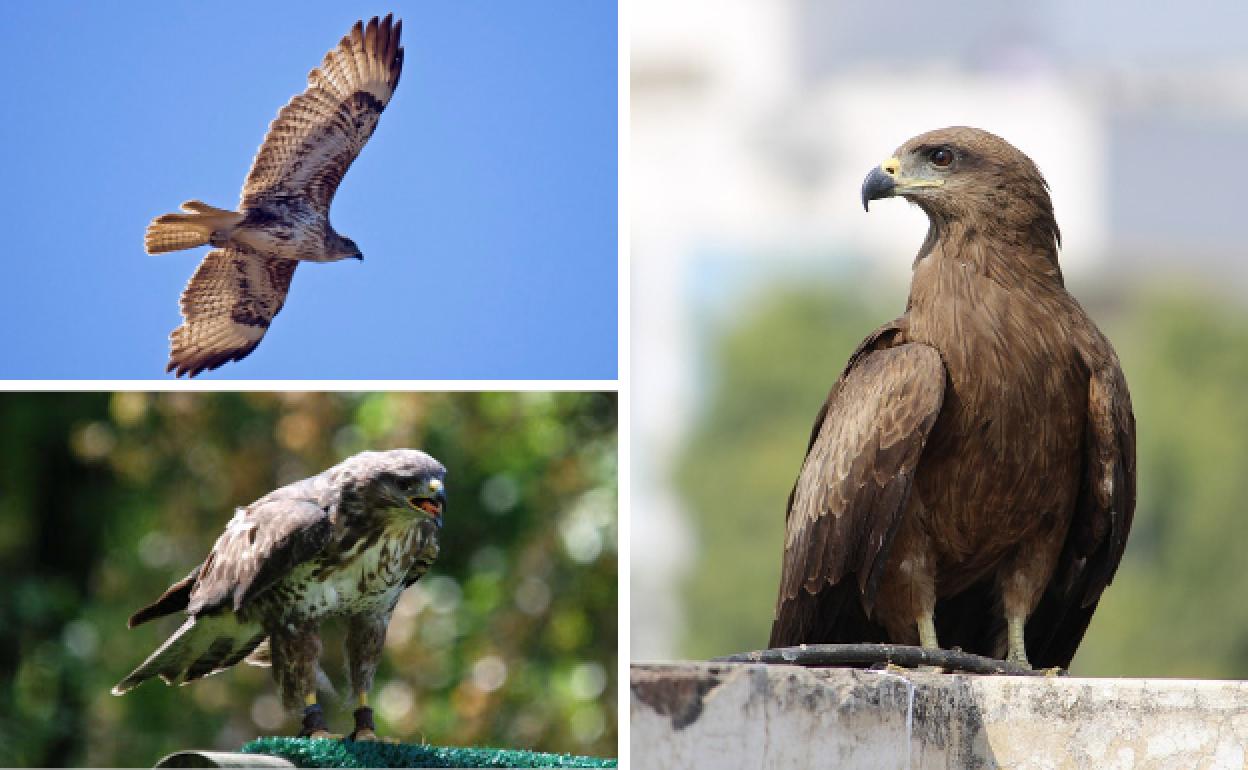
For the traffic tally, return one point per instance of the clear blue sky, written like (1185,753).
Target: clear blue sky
(485,203)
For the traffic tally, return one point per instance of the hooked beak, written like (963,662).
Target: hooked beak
(358,256)
(886,181)
(432,501)
(878,184)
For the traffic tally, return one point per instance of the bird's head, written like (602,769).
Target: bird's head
(411,482)
(961,174)
(345,248)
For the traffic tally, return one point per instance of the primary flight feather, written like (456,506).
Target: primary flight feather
(283,216)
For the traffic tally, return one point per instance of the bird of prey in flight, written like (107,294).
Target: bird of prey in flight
(343,543)
(970,480)
(283,217)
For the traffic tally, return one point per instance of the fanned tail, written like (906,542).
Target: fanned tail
(195,227)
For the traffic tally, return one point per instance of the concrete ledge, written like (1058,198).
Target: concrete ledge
(761,716)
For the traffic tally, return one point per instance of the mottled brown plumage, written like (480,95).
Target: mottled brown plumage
(283,217)
(970,480)
(343,543)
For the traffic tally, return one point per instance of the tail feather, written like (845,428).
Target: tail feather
(195,227)
(202,646)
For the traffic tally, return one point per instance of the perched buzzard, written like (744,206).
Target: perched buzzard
(344,543)
(970,480)
(284,213)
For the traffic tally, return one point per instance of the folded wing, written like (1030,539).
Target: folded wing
(260,546)
(854,484)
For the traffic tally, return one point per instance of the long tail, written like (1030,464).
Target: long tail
(202,646)
(174,232)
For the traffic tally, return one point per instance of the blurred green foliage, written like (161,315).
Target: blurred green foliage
(511,640)
(1175,608)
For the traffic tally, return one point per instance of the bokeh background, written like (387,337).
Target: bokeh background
(485,203)
(755,273)
(509,641)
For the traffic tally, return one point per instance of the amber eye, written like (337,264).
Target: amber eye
(941,157)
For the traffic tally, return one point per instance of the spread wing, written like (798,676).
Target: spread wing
(227,308)
(261,544)
(316,136)
(855,481)
(1102,521)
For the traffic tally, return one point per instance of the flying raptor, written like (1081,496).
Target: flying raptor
(970,480)
(343,543)
(283,217)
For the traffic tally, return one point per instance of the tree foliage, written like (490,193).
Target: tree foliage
(109,497)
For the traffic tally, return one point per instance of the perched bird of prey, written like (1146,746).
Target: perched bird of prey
(283,217)
(970,480)
(343,543)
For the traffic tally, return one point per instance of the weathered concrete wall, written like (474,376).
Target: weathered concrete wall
(694,715)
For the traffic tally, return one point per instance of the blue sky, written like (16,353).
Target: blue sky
(485,203)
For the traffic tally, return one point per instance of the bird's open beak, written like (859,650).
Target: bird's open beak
(430,505)
(886,181)
(431,500)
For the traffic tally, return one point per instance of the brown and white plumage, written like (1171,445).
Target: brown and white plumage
(970,480)
(228,306)
(344,543)
(284,210)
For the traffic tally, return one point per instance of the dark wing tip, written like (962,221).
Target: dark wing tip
(396,69)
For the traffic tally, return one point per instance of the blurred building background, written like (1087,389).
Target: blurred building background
(755,273)
(509,641)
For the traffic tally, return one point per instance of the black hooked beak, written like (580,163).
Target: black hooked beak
(358,256)
(878,184)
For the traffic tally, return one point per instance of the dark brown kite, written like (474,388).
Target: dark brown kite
(970,480)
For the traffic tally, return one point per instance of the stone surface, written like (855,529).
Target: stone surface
(753,716)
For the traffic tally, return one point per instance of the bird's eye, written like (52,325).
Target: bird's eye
(941,157)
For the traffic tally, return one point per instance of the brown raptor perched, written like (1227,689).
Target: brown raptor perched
(343,543)
(283,217)
(970,480)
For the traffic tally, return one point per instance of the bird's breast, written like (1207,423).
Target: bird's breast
(366,576)
(1003,458)
(283,229)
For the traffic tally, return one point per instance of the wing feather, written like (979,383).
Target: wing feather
(317,135)
(261,544)
(227,307)
(1103,516)
(857,476)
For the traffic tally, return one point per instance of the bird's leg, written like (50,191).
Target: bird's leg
(1021,581)
(314,725)
(906,602)
(294,652)
(365,637)
(927,630)
(365,728)
(1016,645)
